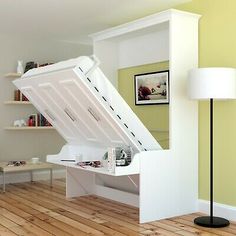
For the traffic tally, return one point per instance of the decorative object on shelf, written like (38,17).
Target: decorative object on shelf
(84,164)
(19,123)
(212,83)
(79,157)
(33,120)
(30,65)
(123,156)
(105,160)
(152,88)
(111,161)
(35,160)
(118,156)
(20,69)
(16,163)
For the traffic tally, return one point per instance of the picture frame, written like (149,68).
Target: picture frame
(152,88)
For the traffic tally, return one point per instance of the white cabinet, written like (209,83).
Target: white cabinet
(162,183)
(168,178)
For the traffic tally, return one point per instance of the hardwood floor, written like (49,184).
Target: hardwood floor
(35,209)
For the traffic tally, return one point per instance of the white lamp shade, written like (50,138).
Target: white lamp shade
(217,83)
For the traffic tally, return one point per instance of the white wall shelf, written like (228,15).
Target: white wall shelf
(30,128)
(12,75)
(17,103)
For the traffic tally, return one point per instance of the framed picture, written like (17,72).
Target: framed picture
(152,88)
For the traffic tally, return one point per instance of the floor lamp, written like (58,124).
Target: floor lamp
(212,83)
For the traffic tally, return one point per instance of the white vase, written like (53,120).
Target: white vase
(20,69)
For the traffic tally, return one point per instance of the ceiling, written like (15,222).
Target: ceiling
(72,20)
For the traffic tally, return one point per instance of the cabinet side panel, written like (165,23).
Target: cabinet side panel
(172,175)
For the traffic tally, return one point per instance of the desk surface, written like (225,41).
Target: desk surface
(28,166)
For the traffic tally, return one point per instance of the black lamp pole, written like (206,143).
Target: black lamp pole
(211,221)
(211,161)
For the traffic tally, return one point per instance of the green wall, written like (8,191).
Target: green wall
(217,47)
(153,116)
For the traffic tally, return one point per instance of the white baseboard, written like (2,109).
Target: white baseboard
(37,175)
(221,210)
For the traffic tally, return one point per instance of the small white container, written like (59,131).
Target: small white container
(78,158)
(35,160)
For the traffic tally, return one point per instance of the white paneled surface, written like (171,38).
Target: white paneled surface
(84,107)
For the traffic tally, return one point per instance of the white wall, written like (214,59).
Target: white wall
(22,145)
(144,49)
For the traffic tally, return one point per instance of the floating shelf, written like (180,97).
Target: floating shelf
(30,128)
(17,103)
(13,75)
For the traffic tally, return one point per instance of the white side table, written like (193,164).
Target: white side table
(4,168)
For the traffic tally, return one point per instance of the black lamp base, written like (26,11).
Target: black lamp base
(214,222)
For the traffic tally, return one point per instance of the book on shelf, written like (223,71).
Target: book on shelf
(29,65)
(33,120)
(24,98)
(19,96)
(41,120)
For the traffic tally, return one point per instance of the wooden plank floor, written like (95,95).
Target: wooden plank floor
(35,209)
